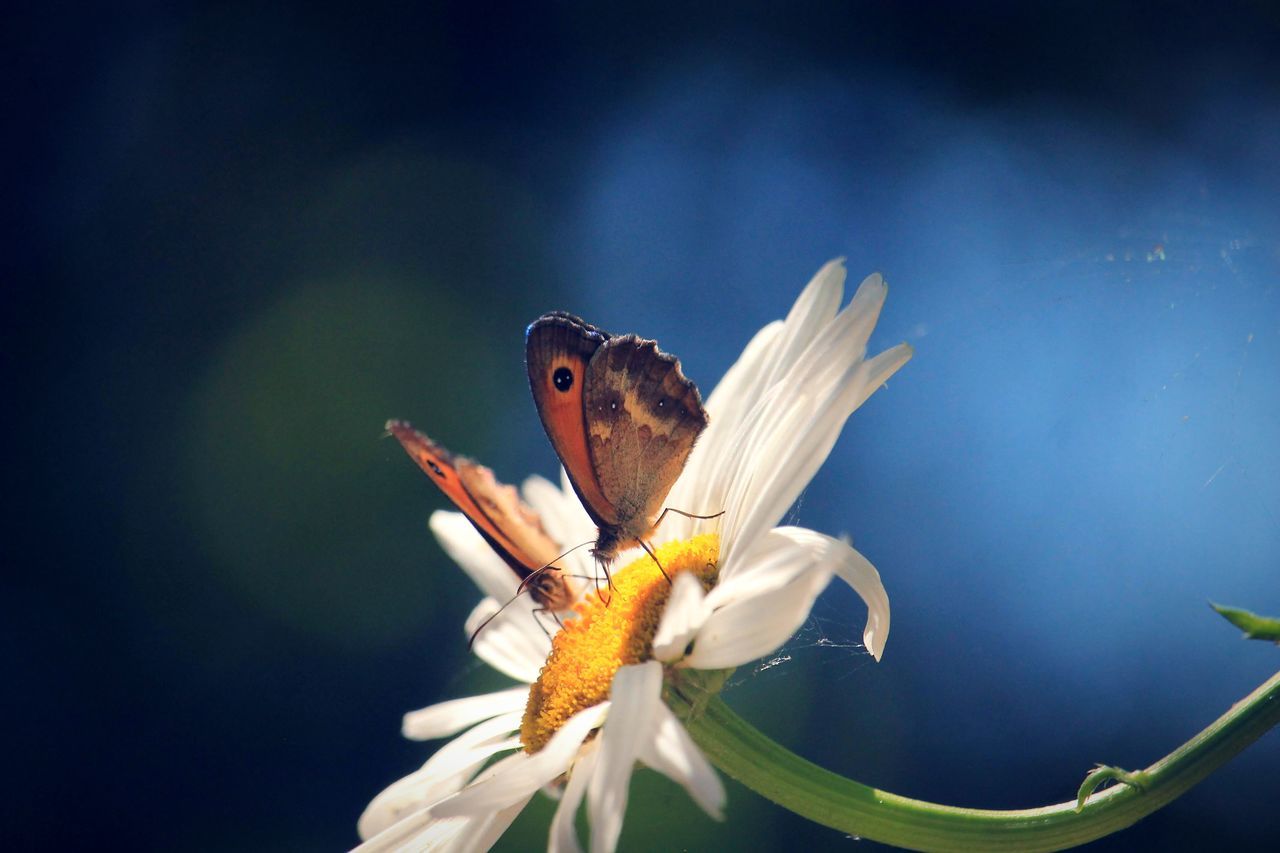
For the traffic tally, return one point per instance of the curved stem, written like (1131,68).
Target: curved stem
(745,754)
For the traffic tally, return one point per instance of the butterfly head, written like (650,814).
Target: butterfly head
(549,589)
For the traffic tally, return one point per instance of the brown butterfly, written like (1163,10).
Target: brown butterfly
(508,524)
(622,417)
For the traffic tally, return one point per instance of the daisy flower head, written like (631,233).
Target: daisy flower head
(730,590)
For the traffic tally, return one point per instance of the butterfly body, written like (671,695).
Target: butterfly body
(510,527)
(621,415)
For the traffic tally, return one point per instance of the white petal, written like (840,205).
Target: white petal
(564,835)
(758,610)
(745,631)
(420,829)
(793,423)
(770,354)
(565,521)
(855,570)
(424,788)
(464,834)
(813,310)
(879,369)
(443,774)
(491,828)
(635,694)
(446,718)
(466,547)
(673,753)
(522,774)
(752,503)
(699,489)
(681,619)
(733,396)
(511,642)
(775,560)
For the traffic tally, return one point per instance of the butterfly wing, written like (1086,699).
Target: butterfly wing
(558,349)
(513,530)
(642,419)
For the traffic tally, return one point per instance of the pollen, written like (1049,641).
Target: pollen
(613,628)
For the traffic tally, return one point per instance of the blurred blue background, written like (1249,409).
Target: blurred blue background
(243,236)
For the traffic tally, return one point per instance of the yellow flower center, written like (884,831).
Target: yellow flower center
(605,636)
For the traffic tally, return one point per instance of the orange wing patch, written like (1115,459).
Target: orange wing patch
(558,349)
(510,527)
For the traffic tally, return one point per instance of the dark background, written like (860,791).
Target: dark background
(242,236)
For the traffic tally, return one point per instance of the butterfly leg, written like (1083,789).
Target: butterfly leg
(654,557)
(666,510)
(539,616)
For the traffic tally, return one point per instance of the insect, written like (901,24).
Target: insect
(510,527)
(622,417)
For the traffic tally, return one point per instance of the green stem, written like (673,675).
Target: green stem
(745,754)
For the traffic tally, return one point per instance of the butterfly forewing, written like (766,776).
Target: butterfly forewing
(511,528)
(558,348)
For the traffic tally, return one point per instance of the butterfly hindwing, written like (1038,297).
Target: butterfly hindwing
(643,417)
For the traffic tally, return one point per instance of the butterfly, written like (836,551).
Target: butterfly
(622,417)
(510,527)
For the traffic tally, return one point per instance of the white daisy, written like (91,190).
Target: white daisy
(740,588)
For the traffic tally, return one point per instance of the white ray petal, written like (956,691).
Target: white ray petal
(511,642)
(758,610)
(857,571)
(445,718)
(732,396)
(634,694)
(522,774)
(671,752)
(771,355)
(880,368)
(466,547)
(794,422)
(745,631)
(563,837)
(420,828)
(490,829)
(683,616)
(749,502)
(810,314)
(697,490)
(565,520)
(778,467)
(443,774)
(461,834)
(774,561)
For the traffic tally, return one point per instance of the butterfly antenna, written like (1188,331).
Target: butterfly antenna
(554,615)
(471,641)
(551,566)
(523,588)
